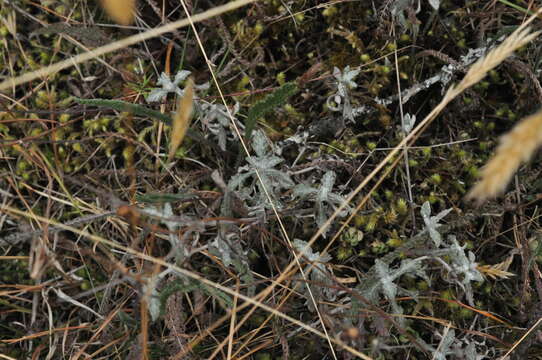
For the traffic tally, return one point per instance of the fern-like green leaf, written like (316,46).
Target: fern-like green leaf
(272,101)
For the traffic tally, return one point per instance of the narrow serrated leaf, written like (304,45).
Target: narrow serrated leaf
(126,106)
(269,103)
(140,110)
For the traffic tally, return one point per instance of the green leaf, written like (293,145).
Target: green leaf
(126,106)
(267,104)
(156,198)
(143,111)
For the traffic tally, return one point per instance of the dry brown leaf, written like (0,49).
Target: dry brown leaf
(121,11)
(181,120)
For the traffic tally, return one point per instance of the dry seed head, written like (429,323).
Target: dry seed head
(122,11)
(181,120)
(515,147)
(480,69)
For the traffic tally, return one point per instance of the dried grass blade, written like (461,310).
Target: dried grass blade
(11,82)
(479,69)
(122,11)
(74,302)
(181,120)
(515,147)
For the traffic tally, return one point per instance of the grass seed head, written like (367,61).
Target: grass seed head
(121,11)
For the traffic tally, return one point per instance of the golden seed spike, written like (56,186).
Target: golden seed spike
(181,120)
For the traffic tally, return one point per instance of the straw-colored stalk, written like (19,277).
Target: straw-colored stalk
(515,147)
(122,11)
(12,82)
(479,69)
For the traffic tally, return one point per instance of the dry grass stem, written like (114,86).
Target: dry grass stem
(233,215)
(517,343)
(117,45)
(519,38)
(246,299)
(181,120)
(264,293)
(515,147)
(122,11)
(479,70)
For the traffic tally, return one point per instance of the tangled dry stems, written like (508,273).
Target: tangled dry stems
(517,146)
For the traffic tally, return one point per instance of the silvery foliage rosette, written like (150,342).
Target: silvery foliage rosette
(400,8)
(432,223)
(408,123)
(324,288)
(217,121)
(168,86)
(271,180)
(214,116)
(345,83)
(325,201)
